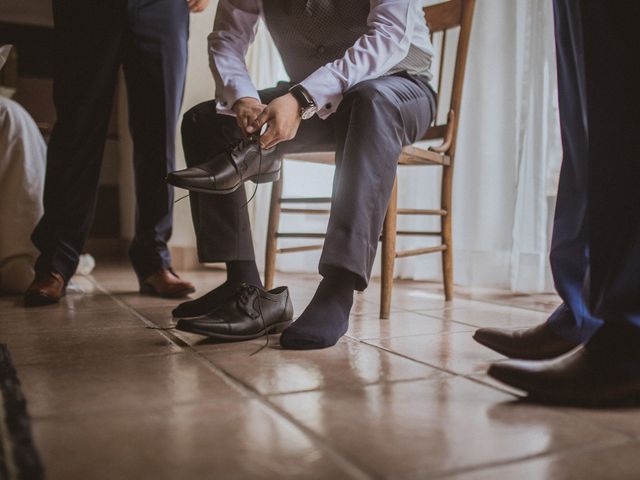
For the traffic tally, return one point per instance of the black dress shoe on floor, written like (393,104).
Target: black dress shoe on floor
(590,377)
(228,170)
(537,343)
(251,313)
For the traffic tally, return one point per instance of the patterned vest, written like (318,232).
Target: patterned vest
(311,33)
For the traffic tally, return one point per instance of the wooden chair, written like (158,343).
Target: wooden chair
(445,20)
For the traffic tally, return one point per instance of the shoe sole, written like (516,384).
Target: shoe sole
(39,301)
(194,317)
(149,290)
(517,355)
(259,179)
(275,328)
(627,397)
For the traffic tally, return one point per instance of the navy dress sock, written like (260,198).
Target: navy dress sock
(238,272)
(326,318)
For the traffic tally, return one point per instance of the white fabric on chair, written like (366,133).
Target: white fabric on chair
(22,170)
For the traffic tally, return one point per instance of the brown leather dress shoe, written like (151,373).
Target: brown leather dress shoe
(590,377)
(537,343)
(47,288)
(165,283)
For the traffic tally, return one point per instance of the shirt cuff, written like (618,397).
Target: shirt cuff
(231,93)
(325,89)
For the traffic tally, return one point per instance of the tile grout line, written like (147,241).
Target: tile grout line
(444,370)
(347,464)
(526,458)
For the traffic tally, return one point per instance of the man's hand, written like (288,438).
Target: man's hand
(197,5)
(247,110)
(282,117)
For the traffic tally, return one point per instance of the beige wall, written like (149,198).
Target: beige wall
(30,12)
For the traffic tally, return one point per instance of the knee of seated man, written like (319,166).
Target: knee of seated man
(367,96)
(192,117)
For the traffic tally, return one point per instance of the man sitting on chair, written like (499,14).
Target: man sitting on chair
(359,86)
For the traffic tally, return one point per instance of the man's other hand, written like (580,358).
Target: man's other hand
(247,110)
(282,117)
(197,5)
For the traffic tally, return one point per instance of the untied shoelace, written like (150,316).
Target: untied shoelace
(230,150)
(244,294)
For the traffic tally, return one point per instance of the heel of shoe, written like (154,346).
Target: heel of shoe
(268,177)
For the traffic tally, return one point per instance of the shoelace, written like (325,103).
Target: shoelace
(255,190)
(230,149)
(244,294)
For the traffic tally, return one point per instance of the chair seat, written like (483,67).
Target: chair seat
(411,155)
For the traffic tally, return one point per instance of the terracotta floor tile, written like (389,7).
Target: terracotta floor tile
(422,428)
(212,441)
(455,352)
(400,324)
(619,462)
(113,395)
(491,316)
(58,317)
(347,365)
(99,385)
(80,344)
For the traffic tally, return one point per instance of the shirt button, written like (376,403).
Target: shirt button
(320,49)
(328,106)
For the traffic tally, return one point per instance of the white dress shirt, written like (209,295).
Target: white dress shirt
(395,28)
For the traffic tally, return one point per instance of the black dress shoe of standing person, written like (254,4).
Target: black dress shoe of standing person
(604,372)
(251,313)
(227,171)
(537,343)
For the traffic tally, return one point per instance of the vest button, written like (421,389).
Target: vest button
(328,106)
(321,49)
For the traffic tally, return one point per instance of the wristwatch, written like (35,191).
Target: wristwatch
(308,107)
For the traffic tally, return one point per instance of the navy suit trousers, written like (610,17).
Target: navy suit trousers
(92,40)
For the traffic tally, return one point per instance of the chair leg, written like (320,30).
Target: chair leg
(447,240)
(388,252)
(272,231)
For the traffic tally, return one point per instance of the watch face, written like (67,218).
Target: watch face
(307,113)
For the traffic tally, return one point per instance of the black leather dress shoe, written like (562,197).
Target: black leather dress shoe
(537,343)
(591,377)
(228,170)
(251,313)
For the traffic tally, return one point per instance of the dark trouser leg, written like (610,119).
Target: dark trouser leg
(88,38)
(569,250)
(374,121)
(154,65)
(604,372)
(613,285)
(221,222)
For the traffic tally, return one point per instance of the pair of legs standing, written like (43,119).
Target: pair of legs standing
(92,41)
(374,121)
(596,247)
(596,221)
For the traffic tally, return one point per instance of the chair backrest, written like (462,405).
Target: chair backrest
(449,21)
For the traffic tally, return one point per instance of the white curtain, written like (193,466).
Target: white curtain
(506,168)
